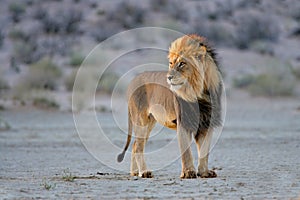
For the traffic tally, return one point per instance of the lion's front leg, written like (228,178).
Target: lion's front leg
(203,141)
(184,140)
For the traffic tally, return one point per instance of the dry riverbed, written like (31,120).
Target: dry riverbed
(256,157)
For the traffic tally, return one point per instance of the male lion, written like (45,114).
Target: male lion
(186,99)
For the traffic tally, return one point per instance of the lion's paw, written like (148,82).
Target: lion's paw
(207,174)
(147,174)
(134,173)
(188,174)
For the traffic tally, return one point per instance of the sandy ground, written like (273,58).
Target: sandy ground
(256,157)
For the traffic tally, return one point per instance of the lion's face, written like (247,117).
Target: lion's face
(186,70)
(180,71)
(191,69)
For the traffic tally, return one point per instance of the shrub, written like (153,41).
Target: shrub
(128,15)
(271,85)
(157,5)
(4,125)
(17,10)
(244,81)
(42,75)
(25,45)
(267,84)
(69,80)
(295,71)
(102,30)
(62,21)
(18,34)
(262,47)
(220,33)
(107,82)
(26,51)
(3,84)
(45,103)
(76,59)
(252,26)
(294,10)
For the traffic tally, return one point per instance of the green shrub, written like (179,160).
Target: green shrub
(26,52)
(69,80)
(16,9)
(271,85)
(3,84)
(17,34)
(76,59)
(45,103)
(42,75)
(295,71)
(267,84)
(107,82)
(244,81)
(129,15)
(64,21)
(262,47)
(4,125)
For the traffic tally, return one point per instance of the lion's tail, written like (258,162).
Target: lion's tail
(121,155)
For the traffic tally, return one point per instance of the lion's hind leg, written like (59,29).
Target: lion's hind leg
(203,140)
(138,164)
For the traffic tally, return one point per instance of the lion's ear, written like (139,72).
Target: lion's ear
(202,49)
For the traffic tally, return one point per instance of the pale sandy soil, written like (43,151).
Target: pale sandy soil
(256,157)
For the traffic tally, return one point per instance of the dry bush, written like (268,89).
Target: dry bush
(220,33)
(63,21)
(45,103)
(26,52)
(16,9)
(252,26)
(128,15)
(108,82)
(273,82)
(3,83)
(103,30)
(76,59)
(295,70)
(262,47)
(43,75)
(25,45)
(70,79)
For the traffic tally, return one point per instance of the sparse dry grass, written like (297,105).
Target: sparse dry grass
(67,176)
(47,185)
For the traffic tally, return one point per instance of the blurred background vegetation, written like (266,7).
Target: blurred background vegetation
(42,43)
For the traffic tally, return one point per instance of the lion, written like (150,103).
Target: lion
(186,98)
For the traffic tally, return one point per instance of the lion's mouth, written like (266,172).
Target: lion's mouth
(176,84)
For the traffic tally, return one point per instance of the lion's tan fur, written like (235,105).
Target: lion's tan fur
(150,100)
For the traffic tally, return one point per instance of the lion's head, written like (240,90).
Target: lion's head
(192,67)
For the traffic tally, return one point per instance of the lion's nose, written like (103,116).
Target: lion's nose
(170,77)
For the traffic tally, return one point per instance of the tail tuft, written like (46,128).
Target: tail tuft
(121,156)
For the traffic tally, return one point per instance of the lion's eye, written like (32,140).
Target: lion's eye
(181,64)
(170,63)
